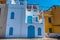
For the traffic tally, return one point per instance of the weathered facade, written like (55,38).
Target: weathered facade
(22,20)
(3,19)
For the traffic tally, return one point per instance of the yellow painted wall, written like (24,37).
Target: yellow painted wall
(47,14)
(56,29)
(47,24)
(2,1)
(56,20)
(54,14)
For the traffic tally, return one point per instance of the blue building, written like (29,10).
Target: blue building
(22,20)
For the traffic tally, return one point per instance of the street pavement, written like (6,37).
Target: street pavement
(32,39)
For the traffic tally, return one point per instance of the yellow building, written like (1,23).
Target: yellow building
(48,24)
(52,20)
(2,1)
(56,19)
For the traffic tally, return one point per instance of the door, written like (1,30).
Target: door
(31,31)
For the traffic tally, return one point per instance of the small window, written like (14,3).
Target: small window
(12,15)
(39,31)
(29,19)
(50,30)
(36,19)
(49,20)
(13,1)
(29,7)
(35,8)
(11,31)
(21,3)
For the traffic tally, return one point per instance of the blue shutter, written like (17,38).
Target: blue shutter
(12,15)
(29,19)
(36,19)
(39,31)
(11,31)
(21,3)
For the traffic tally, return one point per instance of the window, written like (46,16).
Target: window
(12,15)
(11,31)
(35,7)
(36,19)
(29,19)
(21,0)
(49,20)
(0,11)
(29,7)
(21,3)
(50,30)
(39,31)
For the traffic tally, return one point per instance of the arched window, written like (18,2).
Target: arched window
(39,31)
(12,15)
(11,31)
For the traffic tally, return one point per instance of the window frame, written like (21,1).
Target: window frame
(21,3)
(50,30)
(11,31)
(39,31)
(12,15)
(49,20)
(29,7)
(29,20)
(35,8)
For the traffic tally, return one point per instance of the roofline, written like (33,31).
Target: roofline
(52,7)
(32,4)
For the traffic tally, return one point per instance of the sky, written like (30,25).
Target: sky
(44,4)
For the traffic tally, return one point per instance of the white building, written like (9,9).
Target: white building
(22,20)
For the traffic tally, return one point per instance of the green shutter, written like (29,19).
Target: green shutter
(50,30)
(49,20)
